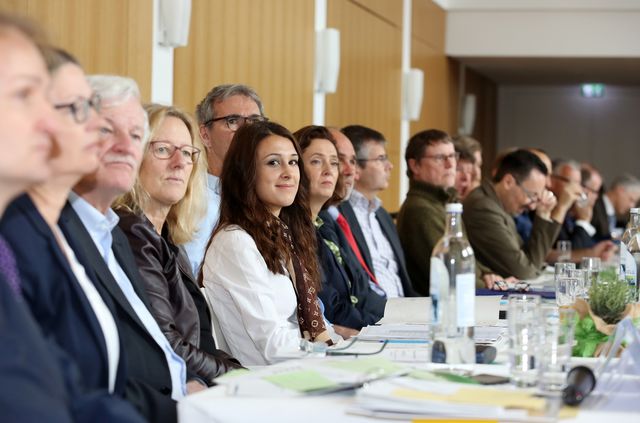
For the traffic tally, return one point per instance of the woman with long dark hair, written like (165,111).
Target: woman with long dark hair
(260,270)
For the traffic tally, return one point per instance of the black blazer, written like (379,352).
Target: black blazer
(149,383)
(389,230)
(370,304)
(37,375)
(55,297)
(576,234)
(600,220)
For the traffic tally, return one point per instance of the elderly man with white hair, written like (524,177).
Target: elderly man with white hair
(156,373)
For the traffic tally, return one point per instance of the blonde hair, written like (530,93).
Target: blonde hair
(184,216)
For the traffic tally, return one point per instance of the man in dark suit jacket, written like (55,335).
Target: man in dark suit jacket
(90,227)
(372,226)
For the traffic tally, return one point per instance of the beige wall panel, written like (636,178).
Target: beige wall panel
(428,23)
(18,7)
(390,10)
(369,84)
(112,36)
(439,101)
(267,44)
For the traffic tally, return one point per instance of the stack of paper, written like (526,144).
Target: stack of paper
(410,398)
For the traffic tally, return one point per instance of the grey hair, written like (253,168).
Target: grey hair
(562,163)
(115,90)
(204,110)
(627,181)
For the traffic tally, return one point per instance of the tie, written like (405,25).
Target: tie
(8,267)
(344,225)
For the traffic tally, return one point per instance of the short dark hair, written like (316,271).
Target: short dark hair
(420,141)
(359,136)
(519,164)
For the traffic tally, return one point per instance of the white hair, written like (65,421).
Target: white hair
(115,90)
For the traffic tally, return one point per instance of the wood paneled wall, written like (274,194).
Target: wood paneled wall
(113,36)
(369,87)
(267,44)
(370,79)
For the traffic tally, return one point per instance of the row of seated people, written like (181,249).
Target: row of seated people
(118,228)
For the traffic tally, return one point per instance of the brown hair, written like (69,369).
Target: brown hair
(240,205)
(305,136)
(419,142)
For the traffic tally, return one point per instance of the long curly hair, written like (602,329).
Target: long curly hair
(240,205)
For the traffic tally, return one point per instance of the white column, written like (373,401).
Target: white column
(404,123)
(161,64)
(319,98)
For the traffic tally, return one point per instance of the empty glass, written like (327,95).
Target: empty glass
(562,268)
(557,343)
(591,267)
(564,251)
(525,334)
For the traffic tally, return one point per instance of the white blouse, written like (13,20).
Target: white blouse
(256,308)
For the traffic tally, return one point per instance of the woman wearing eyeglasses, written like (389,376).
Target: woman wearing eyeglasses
(58,291)
(158,216)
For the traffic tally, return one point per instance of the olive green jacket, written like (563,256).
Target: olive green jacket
(495,240)
(421,223)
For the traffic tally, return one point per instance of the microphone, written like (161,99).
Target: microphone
(580,383)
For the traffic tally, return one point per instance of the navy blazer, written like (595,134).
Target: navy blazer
(149,383)
(55,297)
(389,230)
(369,303)
(579,237)
(39,381)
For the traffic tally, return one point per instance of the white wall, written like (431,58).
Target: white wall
(543,33)
(558,119)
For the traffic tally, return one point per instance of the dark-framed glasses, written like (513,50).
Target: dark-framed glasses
(234,122)
(80,108)
(164,150)
(440,158)
(532,196)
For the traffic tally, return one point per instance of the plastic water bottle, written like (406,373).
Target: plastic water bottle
(452,290)
(630,252)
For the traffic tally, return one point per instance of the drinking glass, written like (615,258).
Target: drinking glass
(525,332)
(557,343)
(591,267)
(568,286)
(564,251)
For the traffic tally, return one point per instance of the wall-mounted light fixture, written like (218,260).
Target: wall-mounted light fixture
(468,118)
(327,60)
(412,92)
(175,17)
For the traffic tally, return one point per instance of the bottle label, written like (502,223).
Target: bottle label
(466,299)
(628,263)
(438,287)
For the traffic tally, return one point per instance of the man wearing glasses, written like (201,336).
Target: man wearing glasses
(220,114)
(371,224)
(431,167)
(518,185)
(577,226)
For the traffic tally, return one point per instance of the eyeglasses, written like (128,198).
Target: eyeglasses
(234,122)
(80,108)
(164,150)
(383,158)
(591,190)
(440,158)
(532,196)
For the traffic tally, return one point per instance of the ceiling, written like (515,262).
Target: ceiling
(550,71)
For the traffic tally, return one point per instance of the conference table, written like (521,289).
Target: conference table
(259,403)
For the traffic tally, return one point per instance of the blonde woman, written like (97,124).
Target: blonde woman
(158,216)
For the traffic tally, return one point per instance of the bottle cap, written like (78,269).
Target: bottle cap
(635,210)
(454,208)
